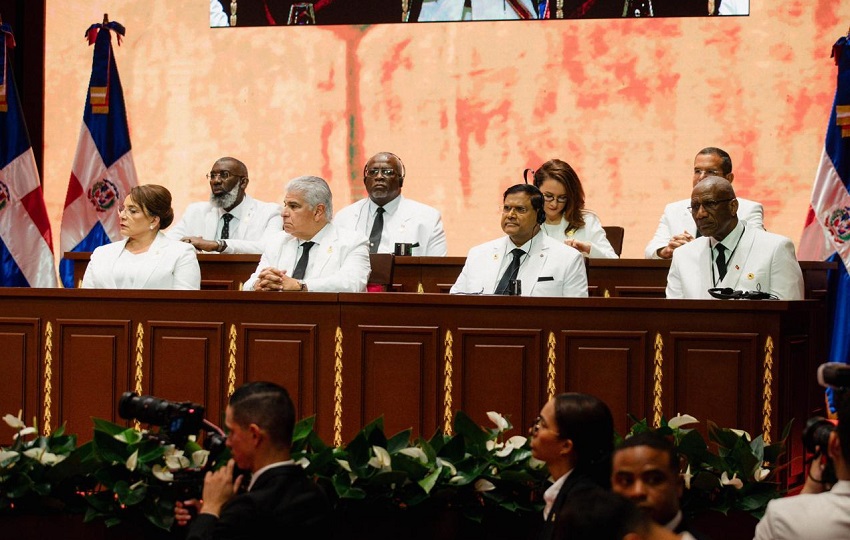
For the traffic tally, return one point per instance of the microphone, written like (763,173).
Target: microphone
(834,374)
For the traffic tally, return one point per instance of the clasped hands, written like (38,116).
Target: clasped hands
(272,279)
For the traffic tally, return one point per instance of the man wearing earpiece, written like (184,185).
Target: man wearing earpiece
(523,261)
(386,217)
(731,253)
(231,221)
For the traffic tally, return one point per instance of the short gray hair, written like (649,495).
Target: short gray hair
(315,192)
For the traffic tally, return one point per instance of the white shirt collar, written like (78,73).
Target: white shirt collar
(266,468)
(551,494)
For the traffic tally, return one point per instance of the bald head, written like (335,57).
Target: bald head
(714,207)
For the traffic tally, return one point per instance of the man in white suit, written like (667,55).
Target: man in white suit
(231,221)
(816,516)
(676,227)
(542,266)
(731,253)
(399,220)
(312,254)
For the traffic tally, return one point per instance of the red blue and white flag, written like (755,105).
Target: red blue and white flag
(103,172)
(827,232)
(26,245)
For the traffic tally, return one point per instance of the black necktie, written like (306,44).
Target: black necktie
(225,229)
(377,229)
(301,265)
(510,273)
(721,260)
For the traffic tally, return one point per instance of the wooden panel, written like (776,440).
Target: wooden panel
(19,341)
(710,373)
(611,366)
(90,371)
(286,354)
(185,362)
(500,371)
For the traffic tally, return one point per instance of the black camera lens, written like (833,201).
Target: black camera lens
(177,419)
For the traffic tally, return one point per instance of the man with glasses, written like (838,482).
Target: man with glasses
(731,253)
(231,221)
(387,218)
(525,262)
(676,227)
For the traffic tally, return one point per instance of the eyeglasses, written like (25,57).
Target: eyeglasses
(224,175)
(520,210)
(548,197)
(707,172)
(539,424)
(388,173)
(708,206)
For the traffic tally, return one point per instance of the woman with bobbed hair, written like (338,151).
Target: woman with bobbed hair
(574,436)
(146,258)
(566,218)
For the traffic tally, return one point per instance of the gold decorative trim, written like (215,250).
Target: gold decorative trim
(405,10)
(606,294)
(447,384)
(140,362)
(656,380)
(233,13)
(338,388)
(550,367)
(420,289)
(559,13)
(231,362)
(48,376)
(767,392)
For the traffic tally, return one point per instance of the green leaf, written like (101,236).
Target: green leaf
(107,427)
(472,432)
(302,430)
(399,441)
(454,450)
(428,483)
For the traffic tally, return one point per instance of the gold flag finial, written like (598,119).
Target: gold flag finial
(105,18)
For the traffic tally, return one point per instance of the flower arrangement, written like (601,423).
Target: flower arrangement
(740,475)
(28,468)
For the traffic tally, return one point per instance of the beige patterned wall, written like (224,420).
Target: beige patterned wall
(467,106)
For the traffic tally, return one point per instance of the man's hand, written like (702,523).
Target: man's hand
(219,487)
(183,511)
(200,244)
(583,247)
(272,279)
(677,241)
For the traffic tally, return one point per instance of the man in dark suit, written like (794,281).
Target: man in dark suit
(279,496)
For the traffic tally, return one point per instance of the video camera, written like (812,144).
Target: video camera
(816,433)
(177,421)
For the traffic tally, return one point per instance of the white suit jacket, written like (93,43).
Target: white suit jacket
(678,219)
(600,247)
(259,218)
(822,516)
(761,261)
(482,10)
(340,263)
(412,222)
(174,265)
(549,269)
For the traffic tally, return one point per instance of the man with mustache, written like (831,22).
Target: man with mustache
(231,221)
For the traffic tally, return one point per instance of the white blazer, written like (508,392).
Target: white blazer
(761,261)
(821,516)
(678,219)
(172,265)
(339,263)
(600,247)
(411,223)
(258,219)
(549,269)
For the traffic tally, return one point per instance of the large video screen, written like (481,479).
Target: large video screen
(224,13)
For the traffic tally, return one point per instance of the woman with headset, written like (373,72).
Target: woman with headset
(566,218)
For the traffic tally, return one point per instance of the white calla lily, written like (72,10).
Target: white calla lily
(681,420)
(536,464)
(492,445)
(517,441)
(344,464)
(381,459)
(303,462)
(162,473)
(176,461)
(416,453)
(15,422)
(132,461)
(741,433)
(761,474)
(482,485)
(734,481)
(200,457)
(447,465)
(6,455)
(687,477)
(500,421)
(24,432)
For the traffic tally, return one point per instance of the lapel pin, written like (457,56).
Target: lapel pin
(751,276)
(330,249)
(495,256)
(737,267)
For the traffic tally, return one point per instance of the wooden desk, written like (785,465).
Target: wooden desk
(413,358)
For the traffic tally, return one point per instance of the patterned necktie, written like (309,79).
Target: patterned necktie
(377,229)
(225,229)
(301,265)
(721,260)
(510,273)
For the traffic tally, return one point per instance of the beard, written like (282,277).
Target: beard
(226,199)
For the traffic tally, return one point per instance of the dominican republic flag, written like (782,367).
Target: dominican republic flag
(826,235)
(26,245)
(103,172)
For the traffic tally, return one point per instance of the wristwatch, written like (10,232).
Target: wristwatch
(303,286)
(222,245)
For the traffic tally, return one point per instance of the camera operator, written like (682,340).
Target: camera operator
(279,496)
(816,515)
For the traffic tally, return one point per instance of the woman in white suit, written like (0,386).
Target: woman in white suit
(566,218)
(146,258)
